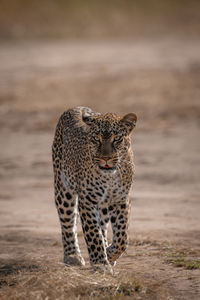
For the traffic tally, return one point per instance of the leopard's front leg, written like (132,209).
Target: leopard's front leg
(68,213)
(66,201)
(119,217)
(91,224)
(104,215)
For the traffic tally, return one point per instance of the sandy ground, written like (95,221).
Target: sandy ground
(159,80)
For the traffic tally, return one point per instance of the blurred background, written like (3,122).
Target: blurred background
(114,56)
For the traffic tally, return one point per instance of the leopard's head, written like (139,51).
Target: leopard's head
(109,138)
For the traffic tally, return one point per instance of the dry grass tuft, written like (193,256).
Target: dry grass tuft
(60,282)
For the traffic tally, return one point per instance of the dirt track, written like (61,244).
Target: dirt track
(159,80)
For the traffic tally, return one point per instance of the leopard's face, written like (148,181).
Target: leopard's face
(109,138)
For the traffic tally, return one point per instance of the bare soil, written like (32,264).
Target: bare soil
(157,79)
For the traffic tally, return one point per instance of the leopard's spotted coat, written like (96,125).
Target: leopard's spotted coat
(93,171)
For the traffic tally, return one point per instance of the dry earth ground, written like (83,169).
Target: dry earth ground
(159,80)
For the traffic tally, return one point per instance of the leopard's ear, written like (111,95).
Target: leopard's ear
(130,121)
(88,119)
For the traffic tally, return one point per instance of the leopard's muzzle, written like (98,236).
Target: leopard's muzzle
(106,163)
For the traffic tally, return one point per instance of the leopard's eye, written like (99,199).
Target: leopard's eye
(96,140)
(118,139)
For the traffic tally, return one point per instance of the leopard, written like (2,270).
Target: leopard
(94,171)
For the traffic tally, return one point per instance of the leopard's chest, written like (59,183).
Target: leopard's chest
(103,188)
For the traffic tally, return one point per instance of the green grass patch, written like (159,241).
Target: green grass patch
(191,264)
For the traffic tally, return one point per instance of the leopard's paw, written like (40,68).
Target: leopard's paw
(74,260)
